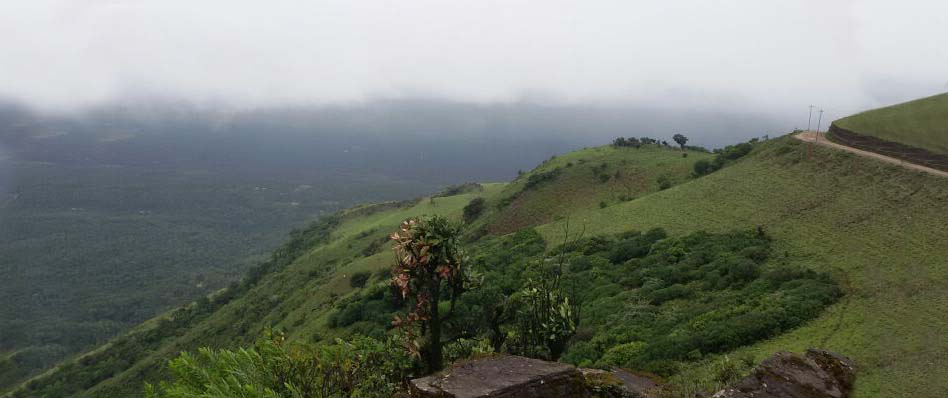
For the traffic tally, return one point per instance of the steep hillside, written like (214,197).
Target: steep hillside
(920,123)
(90,251)
(877,229)
(115,213)
(294,290)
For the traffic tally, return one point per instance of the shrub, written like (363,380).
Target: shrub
(346,314)
(724,156)
(630,142)
(586,263)
(582,354)
(727,371)
(672,292)
(545,319)
(624,355)
(373,247)
(702,167)
(362,367)
(734,152)
(538,178)
(473,209)
(428,264)
(359,279)
(453,190)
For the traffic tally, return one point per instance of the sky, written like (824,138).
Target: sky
(758,55)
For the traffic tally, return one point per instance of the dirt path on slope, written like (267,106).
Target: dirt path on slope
(820,139)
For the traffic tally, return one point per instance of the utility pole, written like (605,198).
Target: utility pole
(809,118)
(818,123)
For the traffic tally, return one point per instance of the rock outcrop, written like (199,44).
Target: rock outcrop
(502,377)
(620,383)
(818,374)
(518,377)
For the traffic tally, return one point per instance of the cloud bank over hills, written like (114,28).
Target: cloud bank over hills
(760,56)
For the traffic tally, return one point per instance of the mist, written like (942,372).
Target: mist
(738,57)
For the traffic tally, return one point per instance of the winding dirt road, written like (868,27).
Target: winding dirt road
(820,139)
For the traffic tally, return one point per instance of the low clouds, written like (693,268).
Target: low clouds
(760,55)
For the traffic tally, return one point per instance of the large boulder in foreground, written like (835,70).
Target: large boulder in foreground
(502,377)
(818,374)
(505,376)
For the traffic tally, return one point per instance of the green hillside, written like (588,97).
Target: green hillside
(920,123)
(295,289)
(878,230)
(589,179)
(89,251)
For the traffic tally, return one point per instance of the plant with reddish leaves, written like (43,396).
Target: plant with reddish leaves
(428,265)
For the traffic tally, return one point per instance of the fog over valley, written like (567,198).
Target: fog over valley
(739,56)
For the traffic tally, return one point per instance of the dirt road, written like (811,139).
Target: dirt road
(811,136)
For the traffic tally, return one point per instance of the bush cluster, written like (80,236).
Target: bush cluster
(473,210)
(650,303)
(459,189)
(538,178)
(358,279)
(632,142)
(372,309)
(360,367)
(724,156)
(644,301)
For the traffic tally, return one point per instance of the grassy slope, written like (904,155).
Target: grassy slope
(879,229)
(298,298)
(920,123)
(579,188)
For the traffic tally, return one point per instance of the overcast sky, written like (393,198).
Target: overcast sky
(770,56)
